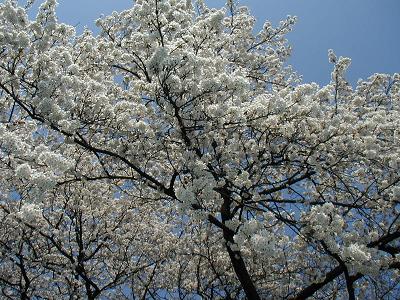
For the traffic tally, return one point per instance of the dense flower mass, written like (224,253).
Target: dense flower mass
(177,156)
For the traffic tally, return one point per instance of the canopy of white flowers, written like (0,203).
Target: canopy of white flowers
(176,155)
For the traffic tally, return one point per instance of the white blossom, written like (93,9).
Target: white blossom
(177,154)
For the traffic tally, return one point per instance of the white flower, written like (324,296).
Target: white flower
(23,171)
(332,57)
(55,161)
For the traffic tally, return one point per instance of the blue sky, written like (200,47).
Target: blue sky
(367,31)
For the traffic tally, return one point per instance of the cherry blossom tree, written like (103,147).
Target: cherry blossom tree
(176,155)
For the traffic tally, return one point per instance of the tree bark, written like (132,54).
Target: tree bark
(236,258)
(242,274)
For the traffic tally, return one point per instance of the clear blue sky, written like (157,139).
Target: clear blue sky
(367,31)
